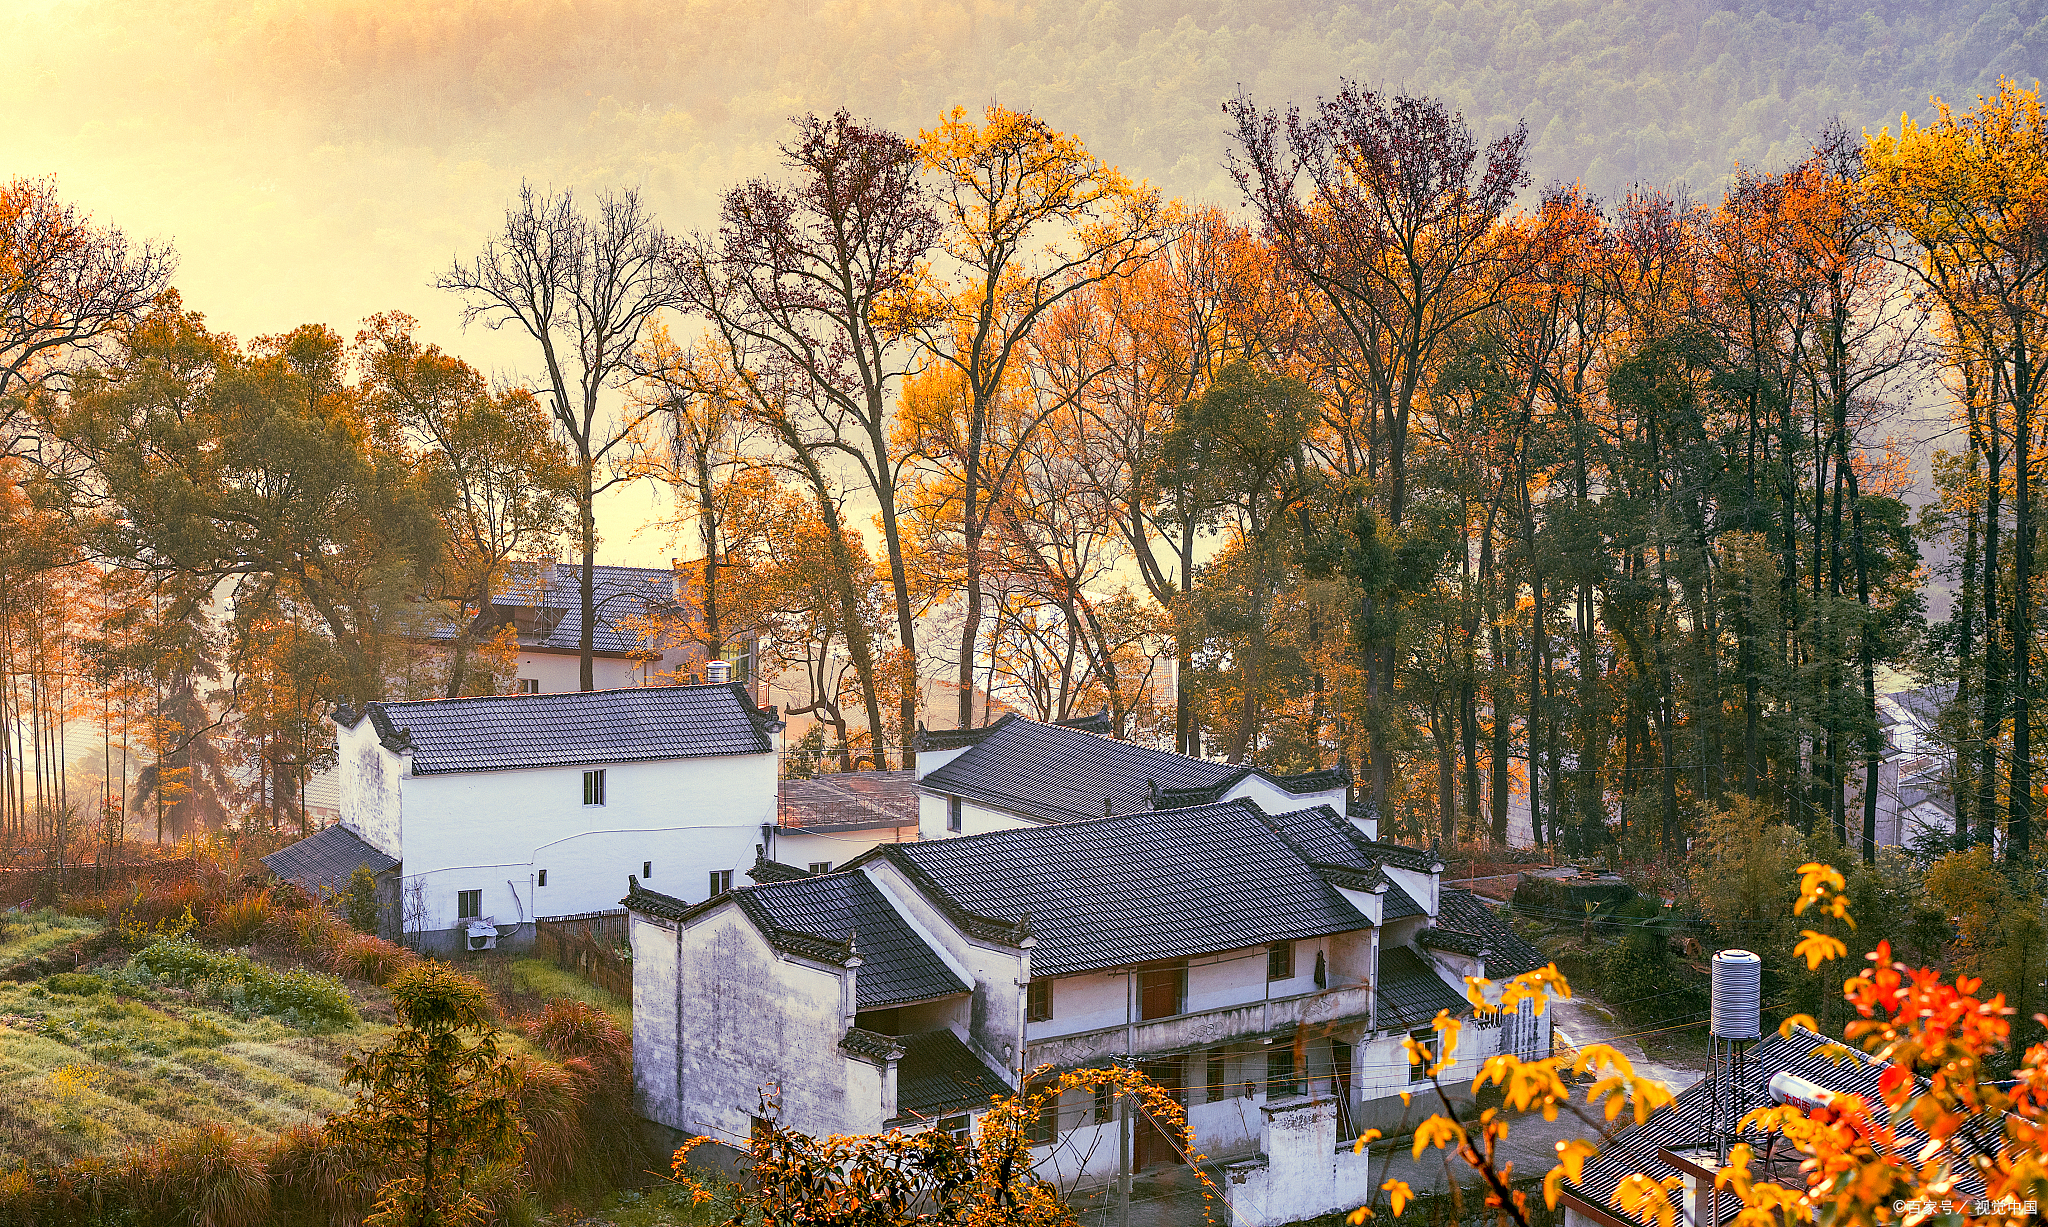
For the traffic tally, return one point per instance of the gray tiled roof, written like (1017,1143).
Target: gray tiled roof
(1399,904)
(622,595)
(570,728)
(1687,1120)
(1410,991)
(325,860)
(1153,884)
(1462,912)
(849,801)
(897,966)
(940,1074)
(1063,774)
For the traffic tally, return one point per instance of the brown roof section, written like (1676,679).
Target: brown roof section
(850,801)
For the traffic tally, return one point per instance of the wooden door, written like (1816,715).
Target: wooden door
(1154,1147)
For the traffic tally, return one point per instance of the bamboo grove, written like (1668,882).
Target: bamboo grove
(1533,508)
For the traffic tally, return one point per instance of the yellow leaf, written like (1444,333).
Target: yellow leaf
(1365,1139)
(1786,1028)
(1817,948)
(1358,1216)
(1398,1195)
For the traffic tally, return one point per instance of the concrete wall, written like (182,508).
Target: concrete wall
(1301,1172)
(1276,800)
(802,848)
(495,830)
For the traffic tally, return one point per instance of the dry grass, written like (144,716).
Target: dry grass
(98,1073)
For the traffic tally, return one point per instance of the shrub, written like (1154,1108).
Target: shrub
(567,1029)
(358,901)
(361,956)
(309,932)
(76,983)
(239,921)
(301,998)
(551,1106)
(208,1176)
(318,1181)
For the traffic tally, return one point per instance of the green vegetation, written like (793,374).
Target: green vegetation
(27,935)
(301,998)
(91,1065)
(541,979)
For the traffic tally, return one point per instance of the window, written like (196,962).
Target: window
(1322,971)
(1105,1103)
(955,1126)
(593,787)
(469,904)
(1038,1001)
(1427,1039)
(1280,961)
(1215,1076)
(721,881)
(1042,1128)
(952,813)
(1163,991)
(1280,1072)
(762,1130)
(529,685)
(818,867)
(646,870)
(543,877)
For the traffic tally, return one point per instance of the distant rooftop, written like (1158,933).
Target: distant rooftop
(850,801)
(544,604)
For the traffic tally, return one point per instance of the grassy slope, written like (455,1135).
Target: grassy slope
(28,935)
(96,1073)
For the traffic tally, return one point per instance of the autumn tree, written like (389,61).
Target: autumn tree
(583,287)
(436,1101)
(1029,217)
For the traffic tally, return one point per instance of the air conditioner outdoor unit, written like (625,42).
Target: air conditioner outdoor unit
(482,933)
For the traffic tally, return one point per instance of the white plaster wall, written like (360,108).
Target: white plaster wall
(792,848)
(975,818)
(1351,958)
(370,786)
(998,973)
(1276,800)
(481,830)
(558,672)
(752,1018)
(655,1041)
(1369,827)
(1420,886)
(1086,1002)
(929,761)
(1302,1174)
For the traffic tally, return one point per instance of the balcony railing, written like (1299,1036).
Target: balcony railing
(1203,1028)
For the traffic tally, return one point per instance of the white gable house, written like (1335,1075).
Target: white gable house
(503,809)
(1018,772)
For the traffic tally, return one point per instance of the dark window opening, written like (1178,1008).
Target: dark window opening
(1280,1080)
(721,881)
(1163,991)
(469,904)
(881,1022)
(762,1130)
(593,787)
(1427,1039)
(821,867)
(1044,1126)
(1322,971)
(646,870)
(1216,1075)
(955,1126)
(529,685)
(1280,961)
(543,878)
(1038,1001)
(952,813)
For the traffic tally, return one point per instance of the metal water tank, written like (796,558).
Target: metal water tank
(1737,1010)
(717,672)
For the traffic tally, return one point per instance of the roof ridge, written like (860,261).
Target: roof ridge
(545,695)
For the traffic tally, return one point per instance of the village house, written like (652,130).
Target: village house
(1239,957)
(498,810)
(1018,772)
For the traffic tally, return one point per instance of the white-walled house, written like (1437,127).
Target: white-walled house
(514,807)
(1239,957)
(1018,772)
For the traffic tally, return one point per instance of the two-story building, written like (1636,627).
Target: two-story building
(1237,956)
(503,809)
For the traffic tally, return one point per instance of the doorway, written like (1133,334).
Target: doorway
(1153,1146)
